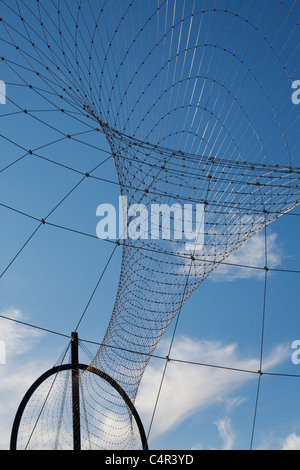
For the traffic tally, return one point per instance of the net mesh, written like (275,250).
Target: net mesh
(194,100)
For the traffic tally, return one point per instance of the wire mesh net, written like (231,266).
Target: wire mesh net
(193,98)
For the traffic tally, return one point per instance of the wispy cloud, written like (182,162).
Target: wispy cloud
(209,385)
(226,433)
(292,442)
(18,339)
(240,264)
(15,376)
(251,253)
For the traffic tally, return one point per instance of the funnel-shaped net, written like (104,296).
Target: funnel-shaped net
(238,199)
(194,98)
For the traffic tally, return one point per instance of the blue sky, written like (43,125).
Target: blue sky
(219,325)
(224,314)
(53,278)
(51,281)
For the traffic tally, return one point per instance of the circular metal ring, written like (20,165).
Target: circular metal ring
(75,367)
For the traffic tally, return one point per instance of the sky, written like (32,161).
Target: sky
(199,407)
(50,282)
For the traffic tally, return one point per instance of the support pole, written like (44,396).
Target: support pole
(75,393)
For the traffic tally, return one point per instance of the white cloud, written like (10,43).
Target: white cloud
(226,433)
(15,376)
(233,402)
(292,442)
(251,253)
(240,264)
(18,339)
(197,447)
(189,388)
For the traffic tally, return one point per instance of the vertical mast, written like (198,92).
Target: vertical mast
(75,392)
